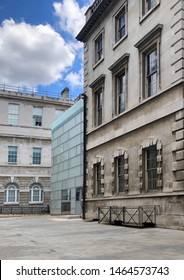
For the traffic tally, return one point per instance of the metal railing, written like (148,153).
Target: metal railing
(142,216)
(10,210)
(32,91)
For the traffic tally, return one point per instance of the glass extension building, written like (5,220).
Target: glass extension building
(67,161)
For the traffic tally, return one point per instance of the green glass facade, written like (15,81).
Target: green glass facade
(67,161)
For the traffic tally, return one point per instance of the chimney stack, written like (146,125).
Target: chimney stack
(65,92)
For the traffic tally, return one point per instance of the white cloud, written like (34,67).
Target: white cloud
(71,16)
(32,55)
(75,79)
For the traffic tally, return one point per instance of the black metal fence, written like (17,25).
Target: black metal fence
(142,216)
(24,210)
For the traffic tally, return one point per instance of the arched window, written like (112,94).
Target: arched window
(11,194)
(36,193)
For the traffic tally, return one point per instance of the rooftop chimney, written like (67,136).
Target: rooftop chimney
(65,92)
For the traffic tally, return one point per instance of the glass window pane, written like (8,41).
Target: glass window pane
(37,116)
(13,114)
(37,155)
(12,154)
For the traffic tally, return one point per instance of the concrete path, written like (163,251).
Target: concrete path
(54,238)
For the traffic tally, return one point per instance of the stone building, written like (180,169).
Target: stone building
(25,145)
(67,161)
(133,80)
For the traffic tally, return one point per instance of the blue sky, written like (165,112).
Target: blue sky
(38,48)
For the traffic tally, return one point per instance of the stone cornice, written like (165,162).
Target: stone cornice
(94,18)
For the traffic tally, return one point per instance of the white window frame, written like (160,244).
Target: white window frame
(97,88)
(37,116)
(13,114)
(119,68)
(145,10)
(8,194)
(35,188)
(116,17)
(99,53)
(146,45)
(12,152)
(37,156)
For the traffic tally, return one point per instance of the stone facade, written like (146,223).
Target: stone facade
(151,120)
(25,172)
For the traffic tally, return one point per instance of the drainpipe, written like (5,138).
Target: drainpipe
(84,161)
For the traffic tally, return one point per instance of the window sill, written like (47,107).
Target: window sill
(119,42)
(11,203)
(98,62)
(142,18)
(35,202)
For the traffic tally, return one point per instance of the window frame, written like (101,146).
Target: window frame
(14,155)
(98,87)
(36,159)
(122,11)
(149,182)
(13,114)
(146,45)
(148,75)
(8,189)
(99,48)
(146,12)
(120,176)
(37,118)
(119,95)
(39,189)
(98,178)
(119,68)
(98,106)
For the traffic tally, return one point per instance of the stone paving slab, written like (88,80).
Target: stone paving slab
(56,238)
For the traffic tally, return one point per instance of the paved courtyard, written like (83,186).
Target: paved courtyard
(54,238)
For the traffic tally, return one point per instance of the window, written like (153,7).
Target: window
(121,92)
(37,155)
(151,65)
(151,168)
(149,48)
(97,178)
(120,174)
(37,116)
(120,25)
(97,100)
(12,154)
(150,165)
(119,75)
(36,193)
(11,194)
(98,107)
(99,48)
(13,114)
(147,5)
(66,194)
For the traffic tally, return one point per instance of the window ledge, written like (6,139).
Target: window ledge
(142,18)
(35,202)
(98,62)
(120,41)
(11,203)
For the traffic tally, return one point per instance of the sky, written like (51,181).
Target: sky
(38,49)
